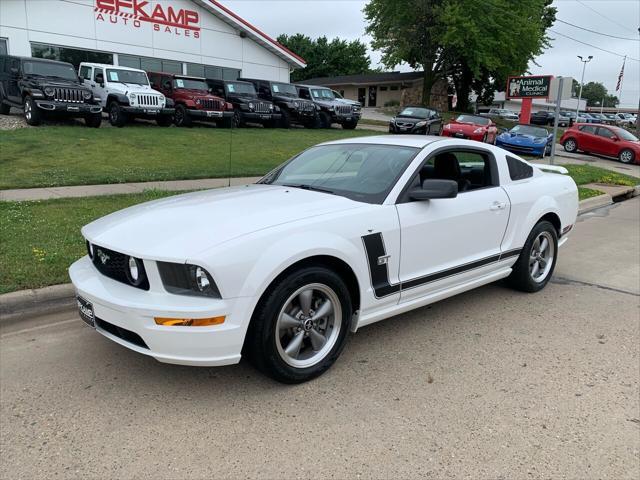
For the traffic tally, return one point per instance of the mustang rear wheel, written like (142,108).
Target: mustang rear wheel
(300,326)
(534,267)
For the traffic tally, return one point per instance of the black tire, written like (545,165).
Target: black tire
(93,121)
(521,277)
(182,118)
(570,145)
(4,108)
(117,117)
(627,156)
(31,112)
(324,120)
(349,125)
(262,341)
(285,119)
(164,120)
(237,120)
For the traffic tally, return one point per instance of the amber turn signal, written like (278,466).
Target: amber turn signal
(189,322)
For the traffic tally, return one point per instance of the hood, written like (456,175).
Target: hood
(328,103)
(465,127)
(520,138)
(180,227)
(349,102)
(194,92)
(245,97)
(55,82)
(411,119)
(136,88)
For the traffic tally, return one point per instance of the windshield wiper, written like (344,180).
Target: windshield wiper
(305,186)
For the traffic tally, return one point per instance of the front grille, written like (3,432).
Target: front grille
(211,104)
(518,148)
(126,335)
(115,266)
(306,107)
(344,110)
(262,107)
(148,100)
(404,124)
(69,95)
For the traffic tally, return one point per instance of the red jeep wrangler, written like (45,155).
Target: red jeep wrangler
(192,99)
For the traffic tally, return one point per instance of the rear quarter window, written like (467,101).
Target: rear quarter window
(519,170)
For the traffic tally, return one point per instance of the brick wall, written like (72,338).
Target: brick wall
(439,96)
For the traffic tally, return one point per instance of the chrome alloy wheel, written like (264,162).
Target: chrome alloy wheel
(308,325)
(626,156)
(541,257)
(28,110)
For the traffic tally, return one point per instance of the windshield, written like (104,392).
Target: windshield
(284,89)
(322,94)
(472,119)
(46,69)
(416,112)
(241,88)
(190,83)
(127,76)
(529,130)
(624,134)
(364,173)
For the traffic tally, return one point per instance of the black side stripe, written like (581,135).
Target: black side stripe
(382,287)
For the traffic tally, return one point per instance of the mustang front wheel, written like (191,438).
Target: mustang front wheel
(300,326)
(534,267)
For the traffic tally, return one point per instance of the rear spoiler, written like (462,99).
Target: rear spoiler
(552,169)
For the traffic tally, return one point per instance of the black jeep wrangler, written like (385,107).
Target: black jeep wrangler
(332,109)
(247,106)
(285,95)
(45,87)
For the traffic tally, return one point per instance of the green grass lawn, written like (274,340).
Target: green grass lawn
(583,174)
(39,240)
(584,193)
(71,155)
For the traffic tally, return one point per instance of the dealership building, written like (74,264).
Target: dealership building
(191,37)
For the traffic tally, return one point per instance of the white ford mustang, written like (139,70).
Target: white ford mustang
(343,235)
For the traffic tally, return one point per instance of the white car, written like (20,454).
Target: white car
(343,235)
(126,94)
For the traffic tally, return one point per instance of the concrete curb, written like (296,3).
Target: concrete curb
(24,304)
(16,306)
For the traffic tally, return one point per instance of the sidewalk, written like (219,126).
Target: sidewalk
(23,194)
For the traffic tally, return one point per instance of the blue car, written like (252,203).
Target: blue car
(527,140)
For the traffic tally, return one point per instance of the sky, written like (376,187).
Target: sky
(621,18)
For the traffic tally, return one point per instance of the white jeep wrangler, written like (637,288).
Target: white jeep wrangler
(126,94)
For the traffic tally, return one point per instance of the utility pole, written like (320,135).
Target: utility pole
(584,66)
(638,113)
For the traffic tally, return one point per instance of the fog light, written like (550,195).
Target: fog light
(189,322)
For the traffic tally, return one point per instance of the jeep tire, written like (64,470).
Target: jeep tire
(349,125)
(285,120)
(117,117)
(324,120)
(182,118)
(164,120)
(31,112)
(4,108)
(93,120)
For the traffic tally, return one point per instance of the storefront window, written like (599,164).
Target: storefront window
(3,47)
(210,71)
(72,55)
(150,64)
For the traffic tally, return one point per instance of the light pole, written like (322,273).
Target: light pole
(584,66)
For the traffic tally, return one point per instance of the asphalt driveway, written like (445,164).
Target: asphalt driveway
(490,384)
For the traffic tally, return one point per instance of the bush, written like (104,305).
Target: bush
(392,103)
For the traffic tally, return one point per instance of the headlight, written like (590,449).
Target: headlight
(48,91)
(539,140)
(447,127)
(271,107)
(331,109)
(135,271)
(421,124)
(296,104)
(251,106)
(478,130)
(184,279)
(86,95)
(393,120)
(198,101)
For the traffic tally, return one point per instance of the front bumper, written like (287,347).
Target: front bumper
(340,119)
(211,115)
(536,150)
(410,130)
(474,136)
(133,310)
(148,112)
(254,117)
(68,108)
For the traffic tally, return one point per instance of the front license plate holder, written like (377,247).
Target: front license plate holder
(85,309)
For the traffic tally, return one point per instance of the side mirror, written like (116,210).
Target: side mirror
(432,189)
(81,78)
(615,138)
(166,85)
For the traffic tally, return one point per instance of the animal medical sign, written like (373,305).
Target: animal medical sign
(529,87)
(137,13)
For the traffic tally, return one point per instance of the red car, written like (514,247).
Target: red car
(473,127)
(604,140)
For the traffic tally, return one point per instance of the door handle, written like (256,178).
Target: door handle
(498,206)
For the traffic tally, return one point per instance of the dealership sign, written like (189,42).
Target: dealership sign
(135,13)
(529,87)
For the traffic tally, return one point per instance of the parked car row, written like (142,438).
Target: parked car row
(46,87)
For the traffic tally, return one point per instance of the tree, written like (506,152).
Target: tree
(595,92)
(475,44)
(327,58)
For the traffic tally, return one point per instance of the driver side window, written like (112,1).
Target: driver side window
(472,170)
(96,72)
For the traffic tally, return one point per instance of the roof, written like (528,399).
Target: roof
(229,17)
(367,78)
(108,65)
(416,141)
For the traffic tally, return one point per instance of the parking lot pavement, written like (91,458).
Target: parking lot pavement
(490,384)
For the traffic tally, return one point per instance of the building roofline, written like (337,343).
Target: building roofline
(244,25)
